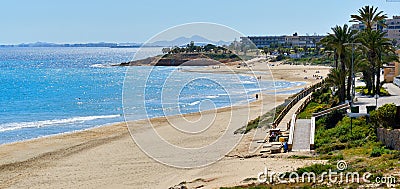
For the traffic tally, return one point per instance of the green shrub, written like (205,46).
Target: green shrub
(315,168)
(364,91)
(374,176)
(378,151)
(343,136)
(311,107)
(385,115)
(337,157)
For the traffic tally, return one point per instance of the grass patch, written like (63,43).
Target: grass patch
(379,151)
(343,136)
(299,157)
(311,107)
(364,91)
(315,168)
(322,99)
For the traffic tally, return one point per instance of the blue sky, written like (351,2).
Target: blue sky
(74,21)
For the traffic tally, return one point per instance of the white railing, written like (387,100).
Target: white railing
(291,130)
(312,132)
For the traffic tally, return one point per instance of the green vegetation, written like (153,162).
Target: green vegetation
(322,99)
(323,60)
(385,116)
(369,56)
(379,151)
(342,136)
(192,51)
(336,139)
(299,157)
(315,168)
(366,51)
(191,48)
(279,58)
(364,91)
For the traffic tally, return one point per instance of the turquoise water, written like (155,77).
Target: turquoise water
(46,91)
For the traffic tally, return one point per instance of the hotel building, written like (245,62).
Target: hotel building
(287,41)
(392,30)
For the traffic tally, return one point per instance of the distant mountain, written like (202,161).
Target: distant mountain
(182,41)
(100,44)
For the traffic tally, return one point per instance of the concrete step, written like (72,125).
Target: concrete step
(301,137)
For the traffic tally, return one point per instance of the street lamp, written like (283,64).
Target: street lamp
(353,83)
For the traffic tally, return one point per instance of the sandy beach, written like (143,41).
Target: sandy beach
(108,157)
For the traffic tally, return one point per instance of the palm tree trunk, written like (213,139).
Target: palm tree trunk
(371,57)
(336,60)
(342,95)
(368,80)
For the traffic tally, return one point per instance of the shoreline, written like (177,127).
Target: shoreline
(75,157)
(199,69)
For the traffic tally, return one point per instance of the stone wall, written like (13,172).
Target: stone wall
(390,138)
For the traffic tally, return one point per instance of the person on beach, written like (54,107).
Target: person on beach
(285,146)
(272,137)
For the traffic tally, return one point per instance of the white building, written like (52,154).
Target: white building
(392,30)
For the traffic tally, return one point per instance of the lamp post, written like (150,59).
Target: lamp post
(353,84)
(353,76)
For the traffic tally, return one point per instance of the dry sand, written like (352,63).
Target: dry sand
(107,157)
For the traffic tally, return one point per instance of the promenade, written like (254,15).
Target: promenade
(364,101)
(283,125)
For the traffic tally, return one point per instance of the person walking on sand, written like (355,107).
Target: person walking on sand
(285,146)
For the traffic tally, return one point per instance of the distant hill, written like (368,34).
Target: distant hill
(180,41)
(100,44)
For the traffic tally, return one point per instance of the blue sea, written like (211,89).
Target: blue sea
(47,91)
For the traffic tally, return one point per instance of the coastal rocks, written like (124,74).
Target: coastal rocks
(143,62)
(184,59)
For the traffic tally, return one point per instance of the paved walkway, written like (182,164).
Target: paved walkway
(283,124)
(301,137)
(364,101)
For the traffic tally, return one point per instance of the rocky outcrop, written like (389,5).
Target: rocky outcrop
(184,59)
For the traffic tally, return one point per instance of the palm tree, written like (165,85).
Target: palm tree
(360,64)
(335,79)
(369,17)
(375,46)
(373,41)
(338,40)
(328,42)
